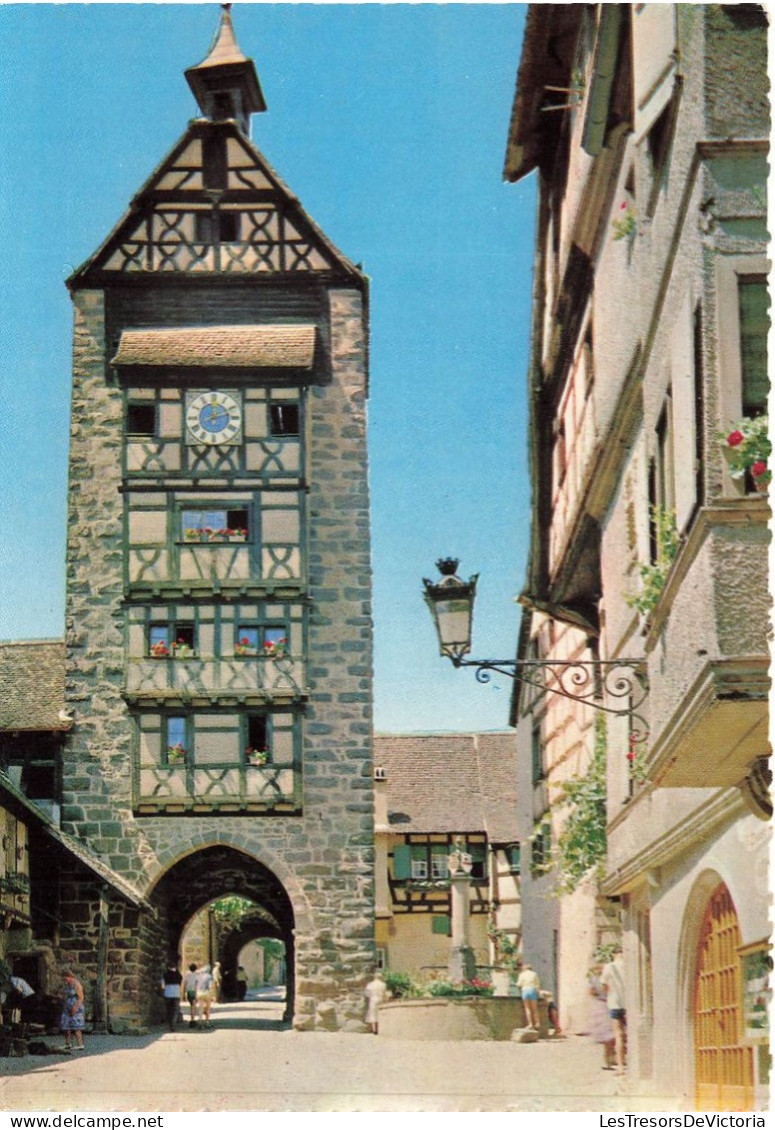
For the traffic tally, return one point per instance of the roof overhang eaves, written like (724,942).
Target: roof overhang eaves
(539,67)
(22,806)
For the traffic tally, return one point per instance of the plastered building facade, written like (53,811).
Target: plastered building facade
(648,127)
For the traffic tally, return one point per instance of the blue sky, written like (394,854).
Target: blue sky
(389,122)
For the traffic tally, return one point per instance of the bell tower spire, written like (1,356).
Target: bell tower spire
(225,83)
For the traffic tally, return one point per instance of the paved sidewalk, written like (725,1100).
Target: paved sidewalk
(251,1062)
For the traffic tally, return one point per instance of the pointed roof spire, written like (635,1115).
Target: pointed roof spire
(225,83)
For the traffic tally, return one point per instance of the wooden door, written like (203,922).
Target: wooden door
(723,1065)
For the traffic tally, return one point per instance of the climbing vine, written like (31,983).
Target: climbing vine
(654,575)
(581,846)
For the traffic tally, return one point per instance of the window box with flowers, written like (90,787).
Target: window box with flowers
(257,756)
(624,224)
(747,448)
(181,649)
(176,754)
(159,650)
(245,647)
(275,649)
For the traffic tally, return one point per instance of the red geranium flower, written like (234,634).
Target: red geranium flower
(759,468)
(734,439)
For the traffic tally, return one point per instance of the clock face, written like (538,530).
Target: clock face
(213,417)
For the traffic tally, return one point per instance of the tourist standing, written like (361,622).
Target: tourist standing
(170,983)
(190,982)
(612,980)
(73,1017)
(529,986)
(218,978)
(600,1023)
(205,990)
(375,993)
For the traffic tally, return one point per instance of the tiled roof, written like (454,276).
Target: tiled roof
(32,685)
(14,798)
(451,782)
(275,347)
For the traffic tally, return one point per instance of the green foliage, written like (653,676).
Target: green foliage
(473,988)
(747,448)
(231,909)
(605,952)
(653,576)
(506,947)
(401,986)
(271,947)
(581,846)
(625,224)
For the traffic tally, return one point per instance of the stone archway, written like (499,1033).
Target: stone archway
(194,881)
(253,926)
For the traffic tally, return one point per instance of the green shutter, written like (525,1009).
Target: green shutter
(440,924)
(402,861)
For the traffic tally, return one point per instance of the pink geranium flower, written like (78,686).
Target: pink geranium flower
(734,439)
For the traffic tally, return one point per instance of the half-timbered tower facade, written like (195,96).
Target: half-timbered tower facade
(218,616)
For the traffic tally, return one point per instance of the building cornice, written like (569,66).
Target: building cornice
(721,807)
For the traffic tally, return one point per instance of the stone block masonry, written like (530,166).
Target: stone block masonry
(323,858)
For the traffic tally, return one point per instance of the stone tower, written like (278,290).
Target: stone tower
(218,601)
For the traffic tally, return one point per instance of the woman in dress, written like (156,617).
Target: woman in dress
(73,1016)
(600,1026)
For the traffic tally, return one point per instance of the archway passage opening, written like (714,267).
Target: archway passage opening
(222,905)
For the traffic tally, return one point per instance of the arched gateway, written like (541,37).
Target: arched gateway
(193,882)
(219,649)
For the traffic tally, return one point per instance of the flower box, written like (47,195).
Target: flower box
(747,448)
(257,756)
(275,649)
(176,754)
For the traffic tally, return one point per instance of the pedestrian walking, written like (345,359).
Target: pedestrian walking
(529,985)
(171,981)
(190,985)
(600,1024)
(612,980)
(73,1017)
(205,991)
(375,993)
(218,978)
(242,983)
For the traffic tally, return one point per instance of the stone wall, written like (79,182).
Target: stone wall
(325,857)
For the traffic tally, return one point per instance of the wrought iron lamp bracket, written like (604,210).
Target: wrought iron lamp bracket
(615,686)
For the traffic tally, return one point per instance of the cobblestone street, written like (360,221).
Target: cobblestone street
(251,1062)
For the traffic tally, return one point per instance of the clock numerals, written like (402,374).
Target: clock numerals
(213,418)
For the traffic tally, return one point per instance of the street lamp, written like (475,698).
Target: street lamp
(615,686)
(451,602)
